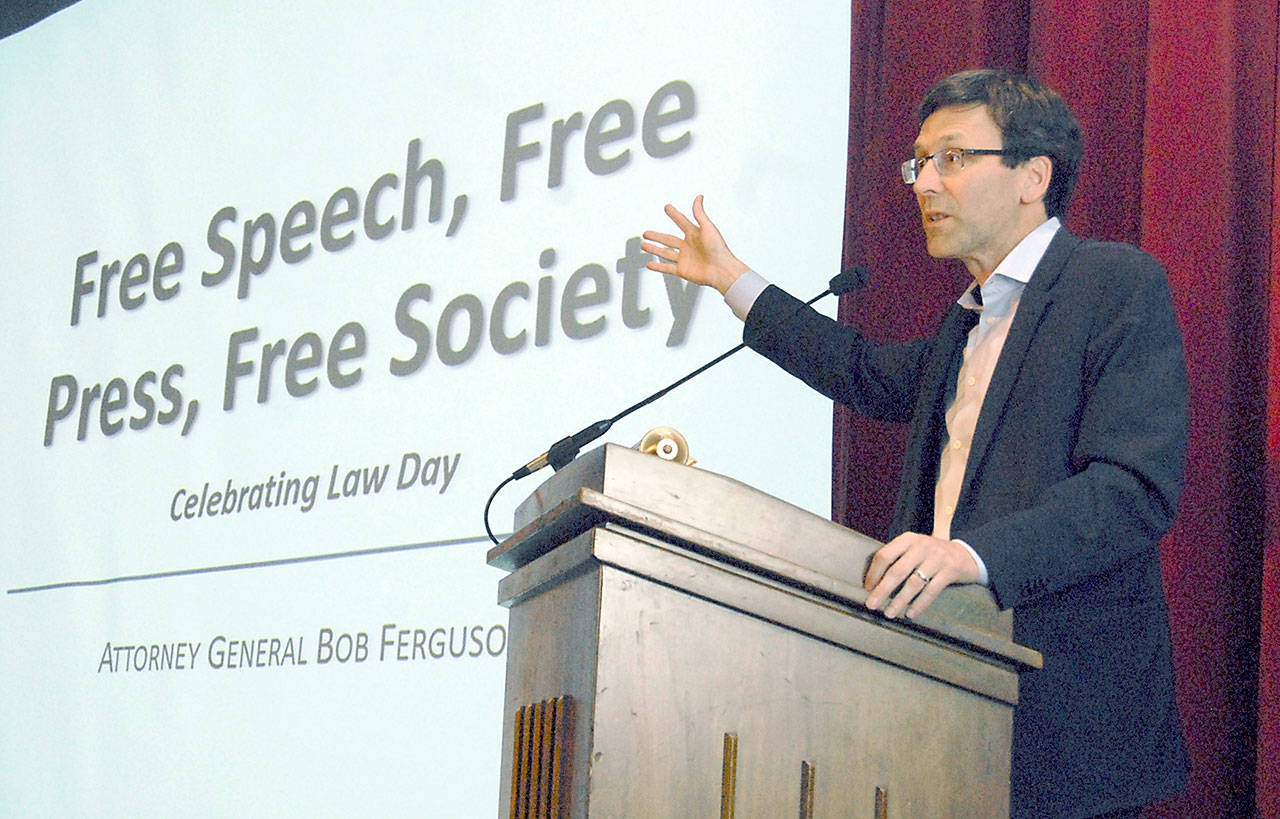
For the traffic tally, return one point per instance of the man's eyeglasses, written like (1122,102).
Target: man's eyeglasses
(947,161)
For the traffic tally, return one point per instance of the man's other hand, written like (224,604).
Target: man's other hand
(918,567)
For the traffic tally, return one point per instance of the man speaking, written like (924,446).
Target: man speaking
(1048,427)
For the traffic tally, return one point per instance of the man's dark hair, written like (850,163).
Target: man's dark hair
(1032,118)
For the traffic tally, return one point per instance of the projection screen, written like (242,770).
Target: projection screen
(291,287)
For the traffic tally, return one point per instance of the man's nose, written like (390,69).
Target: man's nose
(928,179)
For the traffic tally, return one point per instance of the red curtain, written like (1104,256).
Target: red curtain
(1178,101)
(1268,756)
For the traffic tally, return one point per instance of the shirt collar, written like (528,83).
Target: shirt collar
(1021,261)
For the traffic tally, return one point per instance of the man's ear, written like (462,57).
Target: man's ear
(1036,173)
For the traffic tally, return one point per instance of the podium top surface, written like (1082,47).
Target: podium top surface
(726,518)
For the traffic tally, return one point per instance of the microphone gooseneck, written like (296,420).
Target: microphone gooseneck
(562,452)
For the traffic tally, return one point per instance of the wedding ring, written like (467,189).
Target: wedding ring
(921,575)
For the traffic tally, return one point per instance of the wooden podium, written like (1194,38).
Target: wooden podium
(684,645)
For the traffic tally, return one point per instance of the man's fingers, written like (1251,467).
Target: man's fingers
(664,250)
(698,212)
(883,560)
(898,578)
(890,582)
(900,600)
(917,591)
(667,239)
(680,219)
(926,597)
(907,574)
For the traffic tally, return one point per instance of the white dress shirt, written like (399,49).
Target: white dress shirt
(999,302)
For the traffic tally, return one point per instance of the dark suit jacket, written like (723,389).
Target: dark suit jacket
(1073,475)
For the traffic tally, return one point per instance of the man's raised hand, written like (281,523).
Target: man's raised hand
(701,256)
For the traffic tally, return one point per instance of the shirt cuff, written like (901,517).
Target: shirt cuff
(983,579)
(744,292)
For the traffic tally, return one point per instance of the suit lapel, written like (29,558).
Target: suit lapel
(1035,302)
(920,467)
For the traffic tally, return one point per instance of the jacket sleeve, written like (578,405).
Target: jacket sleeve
(881,381)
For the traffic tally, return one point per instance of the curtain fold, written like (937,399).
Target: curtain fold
(1178,101)
(1211,96)
(1268,755)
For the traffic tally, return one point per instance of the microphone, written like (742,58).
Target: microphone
(562,452)
(855,278)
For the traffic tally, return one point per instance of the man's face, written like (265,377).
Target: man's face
(973,214)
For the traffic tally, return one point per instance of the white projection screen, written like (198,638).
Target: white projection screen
(289,288)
